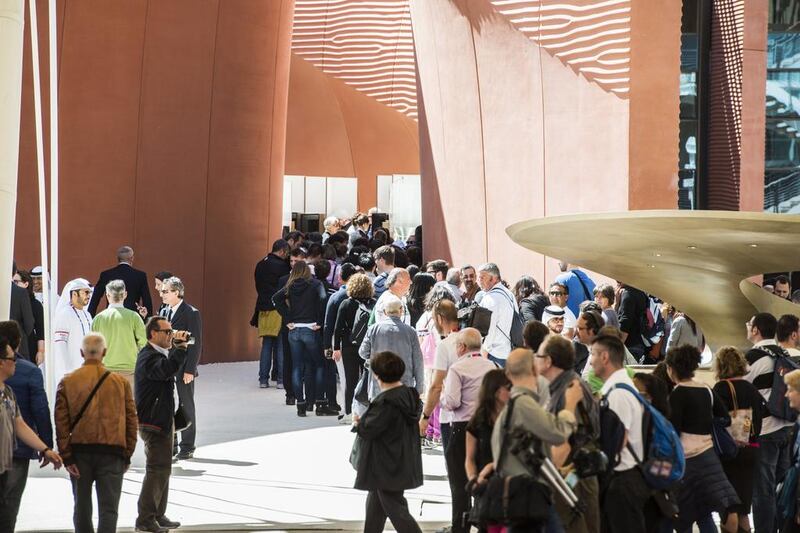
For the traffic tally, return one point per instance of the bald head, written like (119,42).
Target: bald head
(470,339)
(93,346)
(519,365)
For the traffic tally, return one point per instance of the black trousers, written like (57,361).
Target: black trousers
(353,366)
(158,467)
(382,504)
(12,485)
(455,456)
(628,505)
(186,399)
(103,471)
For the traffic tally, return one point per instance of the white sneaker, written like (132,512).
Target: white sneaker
(346,420)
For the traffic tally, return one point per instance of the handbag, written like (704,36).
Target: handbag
(269,323)
(724,444)
(741,421)
(361,394)
(510,500)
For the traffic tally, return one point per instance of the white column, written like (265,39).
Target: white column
(12,26)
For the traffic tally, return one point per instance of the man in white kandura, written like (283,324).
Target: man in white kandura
(72,323)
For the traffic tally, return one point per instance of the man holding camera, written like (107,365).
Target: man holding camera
(186,318)
(159,363)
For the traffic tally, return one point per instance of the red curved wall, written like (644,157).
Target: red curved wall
(172,119)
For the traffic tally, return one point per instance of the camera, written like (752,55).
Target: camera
(475,316)
(190,340)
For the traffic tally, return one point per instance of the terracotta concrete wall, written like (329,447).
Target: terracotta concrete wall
(514,133)
(172,119)
(334,130)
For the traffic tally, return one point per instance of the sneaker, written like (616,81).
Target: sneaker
(263,385)
(346,420)
(182,456)
(279,385)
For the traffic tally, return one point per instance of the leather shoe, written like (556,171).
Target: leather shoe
(182,456)
(152,527)
(290,401)
(163,521)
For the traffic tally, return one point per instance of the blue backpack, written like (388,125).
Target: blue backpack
(664,463)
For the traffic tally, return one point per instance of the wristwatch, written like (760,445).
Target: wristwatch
(425,417)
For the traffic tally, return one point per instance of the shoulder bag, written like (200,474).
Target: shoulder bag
(510,500)
(82,410)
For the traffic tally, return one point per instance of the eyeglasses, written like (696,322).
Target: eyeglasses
(165,291)
(167,331)
(12,359)
(556,293)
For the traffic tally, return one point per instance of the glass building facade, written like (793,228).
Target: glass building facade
(782,147)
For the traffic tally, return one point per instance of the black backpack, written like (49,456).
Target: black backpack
(517,325)
(360,324)
(778,405)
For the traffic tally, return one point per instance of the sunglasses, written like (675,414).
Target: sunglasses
(167,331)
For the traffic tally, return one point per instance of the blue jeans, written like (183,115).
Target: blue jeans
(773,462)
(270,345)
(308,364)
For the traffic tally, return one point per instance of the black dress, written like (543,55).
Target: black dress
(741,470)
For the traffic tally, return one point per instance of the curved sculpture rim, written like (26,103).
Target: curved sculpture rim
(697,260)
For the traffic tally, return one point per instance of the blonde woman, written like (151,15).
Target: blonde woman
(741,399)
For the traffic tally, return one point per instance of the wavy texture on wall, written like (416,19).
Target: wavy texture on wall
(368,44)
(592,37)
(725,105)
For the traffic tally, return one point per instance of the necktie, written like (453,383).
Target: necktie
(169,314)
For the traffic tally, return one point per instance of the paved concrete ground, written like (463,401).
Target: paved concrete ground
(258,467)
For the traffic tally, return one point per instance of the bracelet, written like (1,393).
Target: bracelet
(46,450)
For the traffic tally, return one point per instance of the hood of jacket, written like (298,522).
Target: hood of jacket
(404,399)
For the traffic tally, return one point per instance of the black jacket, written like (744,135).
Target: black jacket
(268,271)
(38,328)
(187,318)
(389,456)
(155,380)
(22,313)
(531,308)
(632,312)
(135,284)
(304,302)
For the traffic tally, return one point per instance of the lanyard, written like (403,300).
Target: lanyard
(80,319)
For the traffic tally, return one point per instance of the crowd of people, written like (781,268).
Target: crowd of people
(563,356)
(516,384)
(118,371)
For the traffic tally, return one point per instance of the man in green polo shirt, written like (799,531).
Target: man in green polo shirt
(123,330)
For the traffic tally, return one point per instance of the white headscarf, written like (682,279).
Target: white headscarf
(74,285)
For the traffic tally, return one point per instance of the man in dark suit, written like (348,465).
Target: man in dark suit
(184,317)
(21,312)
(135,284)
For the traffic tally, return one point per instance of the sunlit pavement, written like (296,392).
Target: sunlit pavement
(258,467)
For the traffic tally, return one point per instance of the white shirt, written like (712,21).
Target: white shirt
(446,356)
(630,413)
(502,304)
(380,315)
(159,349)
(766,365)
(69,328)
(570,321)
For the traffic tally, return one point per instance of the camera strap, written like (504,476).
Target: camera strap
(506,436)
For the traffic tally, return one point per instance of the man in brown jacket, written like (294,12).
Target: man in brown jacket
(96,434)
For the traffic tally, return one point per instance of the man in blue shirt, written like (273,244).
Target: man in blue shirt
(28,386)
(579,285)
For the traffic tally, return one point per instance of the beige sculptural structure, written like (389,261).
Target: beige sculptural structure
(699,261)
